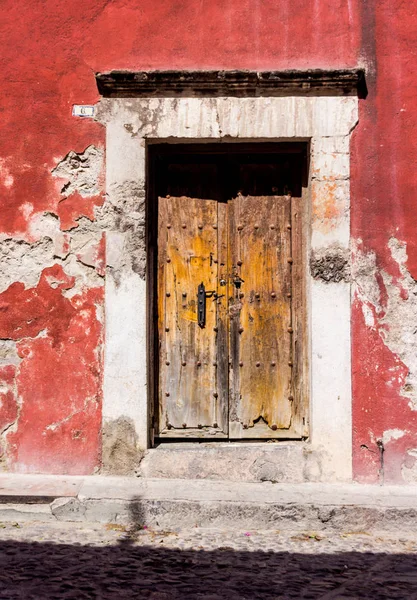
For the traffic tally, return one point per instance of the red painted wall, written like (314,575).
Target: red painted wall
(50,52)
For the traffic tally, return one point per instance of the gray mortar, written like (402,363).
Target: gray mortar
(24,262)
(330,265)
(120,452)
(123,212)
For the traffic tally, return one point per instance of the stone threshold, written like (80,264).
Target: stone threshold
(175,504)
(257,461)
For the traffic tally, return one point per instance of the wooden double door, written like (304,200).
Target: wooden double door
(230,315)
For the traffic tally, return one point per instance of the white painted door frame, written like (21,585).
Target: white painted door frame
(324,121)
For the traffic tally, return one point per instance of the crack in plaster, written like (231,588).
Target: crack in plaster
(24,261)
(56,424)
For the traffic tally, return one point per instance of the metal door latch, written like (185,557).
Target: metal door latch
(201,304)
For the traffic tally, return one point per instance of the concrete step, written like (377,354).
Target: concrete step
(182,504)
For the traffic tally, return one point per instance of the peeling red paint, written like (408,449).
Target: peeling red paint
(379,406)
(383,187)
(59,379)
(8,400)
(75,206)
(379,403)
(8,414)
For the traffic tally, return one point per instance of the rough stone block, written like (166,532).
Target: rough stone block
(246,462)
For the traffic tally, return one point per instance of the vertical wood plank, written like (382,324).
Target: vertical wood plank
(187,257)
(300,324)
(260,313)
(222,357)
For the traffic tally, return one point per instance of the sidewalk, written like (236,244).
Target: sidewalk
(172,504)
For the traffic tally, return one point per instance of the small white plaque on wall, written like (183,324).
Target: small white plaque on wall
(83,110)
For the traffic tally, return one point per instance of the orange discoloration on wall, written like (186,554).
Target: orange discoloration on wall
(327,209)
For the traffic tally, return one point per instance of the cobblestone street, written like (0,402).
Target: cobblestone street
(76,560)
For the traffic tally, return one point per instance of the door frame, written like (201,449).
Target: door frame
(327,122)
(156,152)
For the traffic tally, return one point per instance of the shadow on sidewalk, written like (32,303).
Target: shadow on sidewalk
(41,570)
(45,570)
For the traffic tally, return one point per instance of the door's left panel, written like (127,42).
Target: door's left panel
(190,403)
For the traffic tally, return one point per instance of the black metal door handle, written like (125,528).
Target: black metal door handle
(201,304)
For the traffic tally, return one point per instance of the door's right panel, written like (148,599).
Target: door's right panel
(260,311)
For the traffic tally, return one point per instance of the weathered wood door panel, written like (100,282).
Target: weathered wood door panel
(190,401)
(240,375)
(260,315)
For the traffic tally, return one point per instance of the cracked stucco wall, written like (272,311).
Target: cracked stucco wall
(49,72)
(51,331)
(52,323)
(388,304)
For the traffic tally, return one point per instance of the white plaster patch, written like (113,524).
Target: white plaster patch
(24,262)
(364,277)
(8,353)
(392,434)
(26,209)
(409,471)
(368,315)
(43,225)
(331,395)
(81,172)
(6,178)
(46,225)
(125,376)
(85,276)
